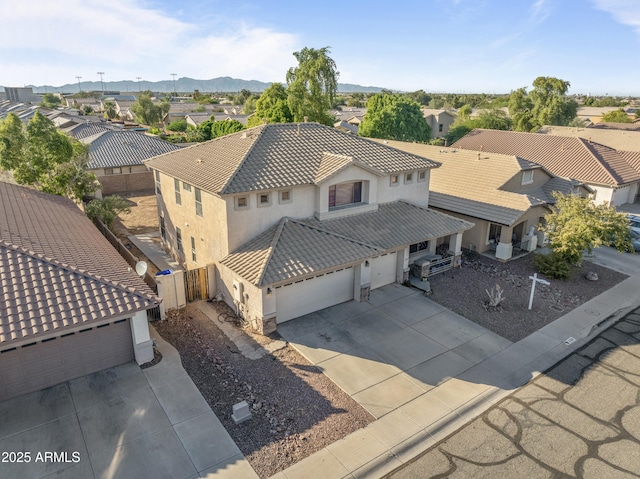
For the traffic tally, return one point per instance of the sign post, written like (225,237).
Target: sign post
(533,286)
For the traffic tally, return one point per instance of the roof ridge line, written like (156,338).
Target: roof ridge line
(587,146)
(246,155)
(272,247)
(75,270)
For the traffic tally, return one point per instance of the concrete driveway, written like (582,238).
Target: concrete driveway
(626,263)
(397,346)
(120,423)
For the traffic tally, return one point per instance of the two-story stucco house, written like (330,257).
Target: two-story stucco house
(298,217)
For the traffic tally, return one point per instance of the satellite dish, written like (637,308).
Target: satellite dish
(141,268)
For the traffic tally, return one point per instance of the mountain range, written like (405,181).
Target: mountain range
(185,85)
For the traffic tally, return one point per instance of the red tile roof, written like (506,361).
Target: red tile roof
(56,269)
(564,156)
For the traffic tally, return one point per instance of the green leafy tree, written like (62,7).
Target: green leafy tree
(225,127)
(107,209)
(249,106)
(49,100)
(489,119)
(312,85)
(87,109)
(41,156)
(178,125)
(576,225)
(464,112)
(546,104)
(147,111)
(394,117)
(617,116)
(272,106)
(419,96)
(110,111)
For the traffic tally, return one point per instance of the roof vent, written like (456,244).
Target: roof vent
(199,161)
(298,132)
(563,147)
(306,118)
(478,155)
(244,134)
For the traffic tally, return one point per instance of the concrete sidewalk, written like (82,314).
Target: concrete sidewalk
(154,252)
(415,426)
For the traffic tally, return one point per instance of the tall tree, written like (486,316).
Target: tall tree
(272,106)
(147,111)
(312,85)
(110,110)
(394,117)
(546,104)
(225,127)
(41,156)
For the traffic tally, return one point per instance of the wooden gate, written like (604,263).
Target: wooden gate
(196,284)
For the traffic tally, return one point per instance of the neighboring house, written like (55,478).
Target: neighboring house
(297,217)
(594,113)
(613,175)
(348,119)
(194,119)
(605,125)
(439,120)
(24,95)
(116,157)
(506,197)
(70,305)
(621,139)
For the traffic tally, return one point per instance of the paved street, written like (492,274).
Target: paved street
(611,258)
(580,419)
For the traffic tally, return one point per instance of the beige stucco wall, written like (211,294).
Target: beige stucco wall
(252,306)
(208,230)
(245,224)
(604,194)
(540,177)
(623,195)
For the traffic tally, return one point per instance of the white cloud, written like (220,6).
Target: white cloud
(52,42)
(625,12)
(540,10)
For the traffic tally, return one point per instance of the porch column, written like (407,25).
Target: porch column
(455,244)
(402,265)
(362,281)
(433,245)
(504,249)
(142,342)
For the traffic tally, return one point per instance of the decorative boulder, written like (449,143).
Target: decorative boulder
(592,276)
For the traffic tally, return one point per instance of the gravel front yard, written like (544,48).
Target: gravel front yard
(296,409)
(463,290)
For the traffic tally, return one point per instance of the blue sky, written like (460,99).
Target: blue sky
(464,46)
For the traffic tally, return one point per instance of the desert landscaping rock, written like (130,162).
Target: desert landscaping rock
(464,290)
(296,410)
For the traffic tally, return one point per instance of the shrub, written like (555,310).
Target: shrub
(553,266)
(178,125)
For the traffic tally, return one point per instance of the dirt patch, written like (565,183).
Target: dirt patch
(463,290)
(142,219)
(296,409)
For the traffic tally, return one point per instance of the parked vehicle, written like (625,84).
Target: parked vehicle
(634,223)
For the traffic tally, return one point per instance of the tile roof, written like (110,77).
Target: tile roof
(292,249)
(298,248)
(393,225)
(56,269)
(604,125)
(124,148)
(83,131)
(564,156)
(276,156)
(621,140)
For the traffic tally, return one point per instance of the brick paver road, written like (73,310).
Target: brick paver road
(580,419)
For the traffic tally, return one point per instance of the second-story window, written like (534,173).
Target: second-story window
(198,197)
(345,194)
(527,177)
(179,238)
(158,191)
(178,195)
(193,249)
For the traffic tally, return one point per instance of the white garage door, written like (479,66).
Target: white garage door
(45,363)
(383,270)
(298,299)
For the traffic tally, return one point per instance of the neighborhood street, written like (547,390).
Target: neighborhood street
(579,419)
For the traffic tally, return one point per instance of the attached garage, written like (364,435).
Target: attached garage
(303,297)
(383,270)
(44,363)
